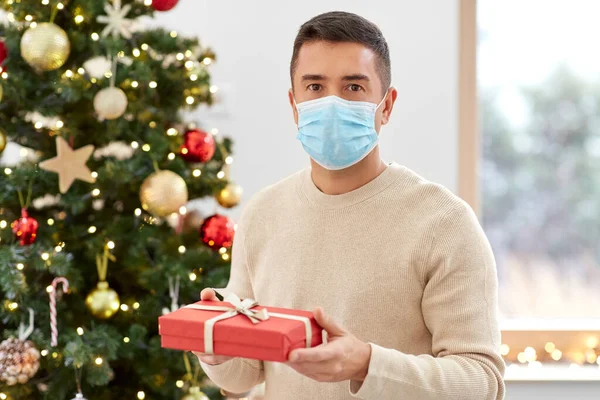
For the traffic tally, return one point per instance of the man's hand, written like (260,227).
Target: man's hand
(344,357)
(211,359)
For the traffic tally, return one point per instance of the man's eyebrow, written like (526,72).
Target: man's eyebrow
(313,77)
(356,77)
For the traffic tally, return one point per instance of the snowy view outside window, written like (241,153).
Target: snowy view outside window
(539,94)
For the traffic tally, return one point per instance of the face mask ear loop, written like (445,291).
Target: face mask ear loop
(383,100)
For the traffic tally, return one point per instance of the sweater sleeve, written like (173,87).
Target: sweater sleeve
(238,375)
(459,308)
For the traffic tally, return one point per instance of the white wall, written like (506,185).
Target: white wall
(253,42)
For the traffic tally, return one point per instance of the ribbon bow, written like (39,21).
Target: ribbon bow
(244,307)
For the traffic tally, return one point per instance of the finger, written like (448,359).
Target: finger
(327,323)
(314,354)
(208,294)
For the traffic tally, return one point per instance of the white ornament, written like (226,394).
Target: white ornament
(46,201)
(110,103)
(115,20)
(119,150)
(96,67)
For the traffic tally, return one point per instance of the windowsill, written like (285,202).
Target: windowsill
(518,373)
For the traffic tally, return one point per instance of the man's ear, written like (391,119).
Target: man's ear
(392,95)
(293,104)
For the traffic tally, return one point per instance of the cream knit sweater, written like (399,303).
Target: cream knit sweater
(400,262)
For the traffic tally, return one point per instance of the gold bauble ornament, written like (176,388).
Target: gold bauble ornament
(3,141)
(45,47)
(230,195)
(195,394)
(163,193)
(103,302)
(110,103)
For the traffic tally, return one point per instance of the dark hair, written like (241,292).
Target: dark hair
(340,26)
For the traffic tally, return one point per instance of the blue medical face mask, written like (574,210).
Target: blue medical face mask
(337,133)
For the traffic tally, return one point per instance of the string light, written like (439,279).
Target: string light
(13,306)
(92,229)
(69,73)
(81,70)
(193,276)
(153,84)
(33,25)
(207,61)
(196,173)
(214,89)
(7,171)
(171,156)
(80,331)
(136,305)
(221,174)
(189,100)
(179,56)
(78,19)
(28,18)
(49,289)
(98,360)
(110,244)
(4,75)
(93,80)
(38,125)
(179,384)
(44,353)
(530,354)
(214,131)
(94,174)
(95,36)
(3,224)
(126,339)
(134,84)
(182,210)
(225,256)
(20,266)
(152,124)
(55,355)
(522,358)
(124,307)
(222,250)
(550,347)
(107,74)
(189,64)
(228,160)
(144,46)
(148,2)
(141,395)
(173,33)
(556,355)
(96,192)
(45,256)
(181,249)
(146,147)
(138,212)
(59,124)
(45,2)
(135,144)
(136,52)
(172,132)
(50,222)
(11,17)
(193,77)
(3,396)
(58,249)
(188,53)
(60,6)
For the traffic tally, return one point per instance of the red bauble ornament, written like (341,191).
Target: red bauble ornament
(164,5)
(198,146)
(25,228)
(3,55)
(217,231)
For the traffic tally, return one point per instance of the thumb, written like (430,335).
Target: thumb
(327,323)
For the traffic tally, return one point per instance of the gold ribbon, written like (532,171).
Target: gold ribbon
(243,307)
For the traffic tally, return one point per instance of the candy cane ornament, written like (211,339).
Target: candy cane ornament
(53,328)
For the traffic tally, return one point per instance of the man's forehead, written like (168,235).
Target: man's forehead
(339,59)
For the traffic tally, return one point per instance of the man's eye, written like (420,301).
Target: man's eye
(314,87)
(355,88)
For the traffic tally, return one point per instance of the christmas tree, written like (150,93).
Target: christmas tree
(97,236)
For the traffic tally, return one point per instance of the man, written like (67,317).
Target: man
(402,275)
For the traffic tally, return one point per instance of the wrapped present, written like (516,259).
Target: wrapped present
(239,328)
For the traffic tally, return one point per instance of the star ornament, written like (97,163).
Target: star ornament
(69,164)
(116,21)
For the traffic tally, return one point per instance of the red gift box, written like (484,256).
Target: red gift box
(238,336)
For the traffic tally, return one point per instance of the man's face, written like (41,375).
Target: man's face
(346,70)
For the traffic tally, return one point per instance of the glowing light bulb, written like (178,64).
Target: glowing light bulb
(92,229)
(182,210)
(207,61)
(214,89)
(225,256)
(189,100)
(550,347)
(94,174)
(556,355)
(179,56)
(146,147)
(95,36)
(98,360)
(126,339)
(173,33)
(60,6)
(28,18)
(7,171)
(20,266)
(49,289)
(124,307)
(189,64)
(38,125)
(50,221)
(44,352)
(138,212)
(59,124)
(13,306)
(135,144)
(171,156)
(144,46)
(78,19)
(81,71)
(136,305)
(193,77)
(148,2)
(221,174)
(96,192)
(196,173)
(80,331)
(228,160)
(193,276)
(134,84)
(153,84)
(136,52)
(141,395)
(45,256)
(172,132)
(181,249)
(110,245)
(3,224)
(179,384)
